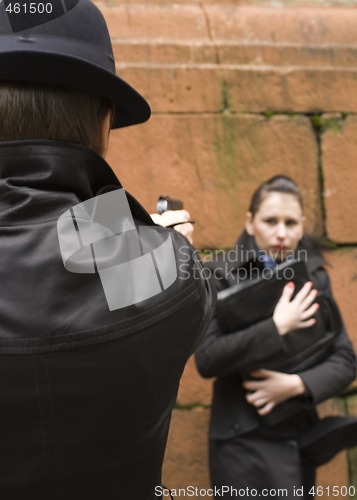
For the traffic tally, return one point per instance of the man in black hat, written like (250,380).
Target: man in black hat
(100,308)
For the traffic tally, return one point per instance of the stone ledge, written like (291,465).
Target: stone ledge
(211,89)
(240,3)
(219,21)
(197,52)
(301,24)
(155,21)
(295,59)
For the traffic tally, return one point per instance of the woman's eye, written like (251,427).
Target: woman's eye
(271,221)
(291,222)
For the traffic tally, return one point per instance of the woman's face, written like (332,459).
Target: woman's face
(277,226)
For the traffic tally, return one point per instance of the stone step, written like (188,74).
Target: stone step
(235,3)
(233,53)
(213,89)
(221,22)
(196,57)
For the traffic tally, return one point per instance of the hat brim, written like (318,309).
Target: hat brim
(130,107)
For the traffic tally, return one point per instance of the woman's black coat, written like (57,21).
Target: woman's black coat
(222,356)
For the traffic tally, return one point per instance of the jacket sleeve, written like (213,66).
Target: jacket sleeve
(220,354)
(338,370)
(333,375)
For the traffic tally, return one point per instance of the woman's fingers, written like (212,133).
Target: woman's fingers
(264,410)
(309,299)
(257,398)
(309,312)
(304,292)
(250,397)
(251,385)
(288,291)
(262,373)
(307,324)
(258,403)
(290,315)
(262,403)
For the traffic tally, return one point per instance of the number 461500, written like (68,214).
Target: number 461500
(31,8)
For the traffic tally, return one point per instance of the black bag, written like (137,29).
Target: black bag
(243,305)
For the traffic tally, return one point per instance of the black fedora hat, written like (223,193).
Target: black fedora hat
(65,43)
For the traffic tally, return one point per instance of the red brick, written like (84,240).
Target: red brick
(334,473)
(321,89)
(340,176)
(352,405)
(214,163)
(282,60)
(193,388)
(114,3)
(285,54)
(231,21)
(332,407)
(264,3)
(177,88)
(164,52)
(307,24)
(187,454)
(155,21)
(343,273)
(255,89)
(277,4)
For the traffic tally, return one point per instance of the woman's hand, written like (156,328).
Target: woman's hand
(178,219)
(294,314)
(272,388)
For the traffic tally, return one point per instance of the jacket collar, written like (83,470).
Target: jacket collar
(40,179)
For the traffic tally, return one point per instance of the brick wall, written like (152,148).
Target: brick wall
(240,91)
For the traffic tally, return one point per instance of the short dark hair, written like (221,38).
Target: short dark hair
(39,111)
(278,184)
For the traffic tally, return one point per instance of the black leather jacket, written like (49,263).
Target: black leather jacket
(86,393)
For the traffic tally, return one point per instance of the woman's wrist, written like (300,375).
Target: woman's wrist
(281,328)
(298,386)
